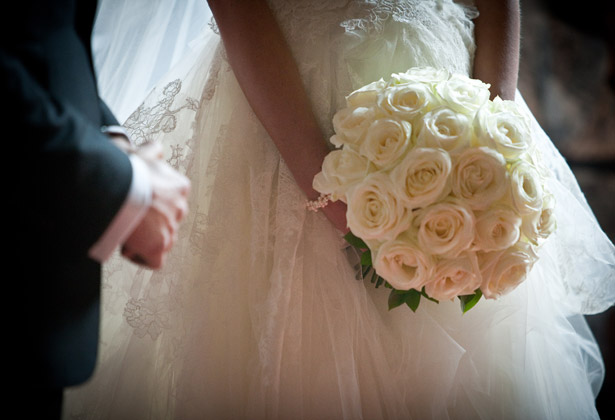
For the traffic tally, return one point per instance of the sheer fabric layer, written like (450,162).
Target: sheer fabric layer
(258,314)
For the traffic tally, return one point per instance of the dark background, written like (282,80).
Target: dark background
(567,77)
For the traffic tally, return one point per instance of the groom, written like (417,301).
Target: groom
(76,192)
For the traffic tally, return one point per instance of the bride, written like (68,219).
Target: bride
(258,312)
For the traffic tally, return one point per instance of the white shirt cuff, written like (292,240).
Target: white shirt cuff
(116,130)
(130,214)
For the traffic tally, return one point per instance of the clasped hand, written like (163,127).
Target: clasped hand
(150,242)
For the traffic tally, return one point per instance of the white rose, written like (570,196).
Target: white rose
(407,101)
(463,94)
(367,95)
(479,177)
(539,225)
(340,170)
(535,157)
(421,178)
(403,265)
(386,141)
(428,75)
(454,277)
(526,188)
(445,229)
(374,212)
(350,125)
(503,126)
(497,228)
(502,271)
(445,128)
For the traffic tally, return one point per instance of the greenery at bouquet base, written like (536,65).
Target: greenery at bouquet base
(412,297)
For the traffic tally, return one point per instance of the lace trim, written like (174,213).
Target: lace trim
(149,311)
(376,14)
(147,316)
(369,16)
(145,122)
(213,26)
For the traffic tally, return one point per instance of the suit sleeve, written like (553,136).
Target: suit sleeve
(107,117)
(71,179)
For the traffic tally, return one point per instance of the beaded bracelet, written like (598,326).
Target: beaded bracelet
(319,203)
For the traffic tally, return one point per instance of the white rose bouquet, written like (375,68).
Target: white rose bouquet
(445,199)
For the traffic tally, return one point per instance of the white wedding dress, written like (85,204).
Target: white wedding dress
(258,313)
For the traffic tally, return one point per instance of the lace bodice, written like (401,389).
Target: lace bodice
(341,45)
(367,15)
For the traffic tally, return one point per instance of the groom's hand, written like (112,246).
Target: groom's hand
(152,239)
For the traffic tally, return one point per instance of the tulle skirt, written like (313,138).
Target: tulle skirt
(260,312)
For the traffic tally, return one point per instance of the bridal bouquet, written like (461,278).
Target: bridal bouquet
(445,195)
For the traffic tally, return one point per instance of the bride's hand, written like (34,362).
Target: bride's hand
(268,75)
(336,213)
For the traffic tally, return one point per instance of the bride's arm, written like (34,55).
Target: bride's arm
(267,73)
(497,34)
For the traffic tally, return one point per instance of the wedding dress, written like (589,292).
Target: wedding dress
(258,313)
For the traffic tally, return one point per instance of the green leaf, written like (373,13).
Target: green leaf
(469,301)
(366,258)
(412,299)
(396,298)
(372,277)
(355,241)
(379,282)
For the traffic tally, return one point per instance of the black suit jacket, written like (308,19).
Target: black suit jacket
(69,182)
